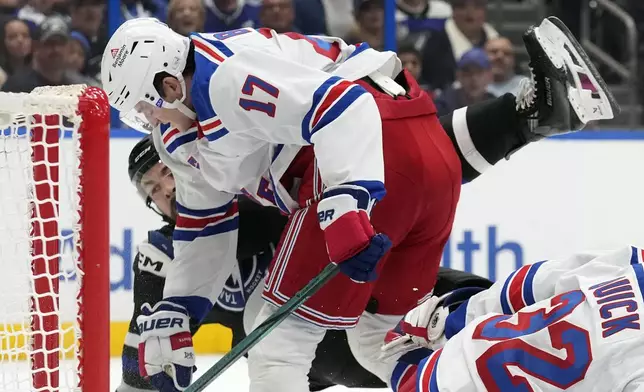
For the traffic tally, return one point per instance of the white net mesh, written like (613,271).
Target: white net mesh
(40,290)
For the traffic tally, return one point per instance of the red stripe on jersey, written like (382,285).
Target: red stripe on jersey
(330,99)
(169,135)
(407,382)
(515,291)
(212,125)
(201,46)
(641,255)
(428,369)
(333,52)
(266,32)
(199,223)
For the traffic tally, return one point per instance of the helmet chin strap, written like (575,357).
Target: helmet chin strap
(178,104)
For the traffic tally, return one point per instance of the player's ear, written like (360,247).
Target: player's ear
(171,89)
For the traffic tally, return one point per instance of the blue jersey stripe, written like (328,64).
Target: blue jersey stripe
(634,258)
(200,88)
(359,49)
(181,210)
(278,200)
(505,306)
(277,152)
(317,97)
(433,381)
(216,135)
(455,321)
(219,228)
(639,273)
(221,47)
(398,372)
(339,107)
(181,140)
(164,128)
(528,292)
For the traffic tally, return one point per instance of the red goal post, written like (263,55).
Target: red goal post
(54,240)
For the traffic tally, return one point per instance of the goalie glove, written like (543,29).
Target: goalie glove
(424,326)
(351,241)
(166,355)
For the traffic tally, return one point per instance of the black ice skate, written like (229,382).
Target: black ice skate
(565,91)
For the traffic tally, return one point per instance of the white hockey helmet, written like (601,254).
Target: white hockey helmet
(139,50)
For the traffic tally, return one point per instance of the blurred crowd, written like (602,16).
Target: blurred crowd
(447,44)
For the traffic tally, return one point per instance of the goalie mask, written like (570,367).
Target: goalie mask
(138,51)
(153,180)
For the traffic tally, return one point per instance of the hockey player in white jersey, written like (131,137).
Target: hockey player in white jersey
(572,324)
(314,127)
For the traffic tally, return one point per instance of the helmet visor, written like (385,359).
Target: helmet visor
(144,117)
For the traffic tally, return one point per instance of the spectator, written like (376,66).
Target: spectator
(15,51)
(78,50)
(415,17)
(9,7)
(186,16)
(49,59)
(87,19)
(370,18)
(132,9)
(466,29)
(324,17)
(35,12)
(222,15)
(501,55)
(278,15)
(474,74)
(411,61)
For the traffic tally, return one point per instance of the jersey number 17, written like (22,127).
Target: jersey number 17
(250,86)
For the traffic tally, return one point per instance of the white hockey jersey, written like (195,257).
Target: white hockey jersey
(260,97)
(571,325)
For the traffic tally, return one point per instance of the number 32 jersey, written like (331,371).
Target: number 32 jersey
(573,325)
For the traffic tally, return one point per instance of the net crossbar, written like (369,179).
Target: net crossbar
(54,245)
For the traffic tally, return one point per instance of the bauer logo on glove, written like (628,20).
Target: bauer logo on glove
(160,324)
(166,355)
(351,241)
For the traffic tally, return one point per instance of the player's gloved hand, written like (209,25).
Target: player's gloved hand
(424,326)
(166,355)
(351,241)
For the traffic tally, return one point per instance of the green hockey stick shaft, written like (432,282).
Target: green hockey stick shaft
(264,329)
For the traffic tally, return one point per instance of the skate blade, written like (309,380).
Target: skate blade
(588,94)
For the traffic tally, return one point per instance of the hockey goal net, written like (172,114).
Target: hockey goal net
(54,245)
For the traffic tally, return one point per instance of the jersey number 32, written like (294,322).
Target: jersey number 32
(512,351)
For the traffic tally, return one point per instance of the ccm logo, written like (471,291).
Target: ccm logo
(324,216)
(161,323)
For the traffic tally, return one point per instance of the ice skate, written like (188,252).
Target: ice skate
(565,91)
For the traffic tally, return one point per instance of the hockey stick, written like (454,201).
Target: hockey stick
(264,329)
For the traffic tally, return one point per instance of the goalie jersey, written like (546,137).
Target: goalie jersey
(571,325)
(262,98)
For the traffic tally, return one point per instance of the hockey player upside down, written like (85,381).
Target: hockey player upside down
(323,131)
(572,324)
